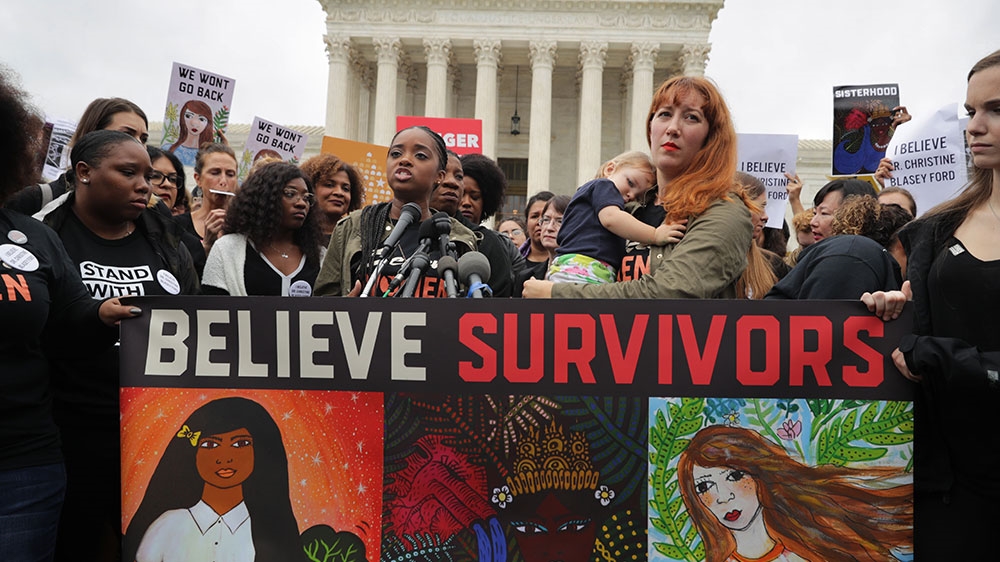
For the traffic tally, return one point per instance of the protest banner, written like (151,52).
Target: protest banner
(461,136)
(768,158)
(271,140)
(928,155)
(480,429)
(197,112)
(57,153)
(862,126)
(368,160)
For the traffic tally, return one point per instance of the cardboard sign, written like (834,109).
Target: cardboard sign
(768,158)
(928,155)
(57,154)
(368,160)
(197,112)
(270,140)
(461,136)
(862,126)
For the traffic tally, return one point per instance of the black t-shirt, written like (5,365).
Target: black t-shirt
(39,290)
(965,296)
(117,268)
(428,287)
(87,388)
(635,264)
(261,278)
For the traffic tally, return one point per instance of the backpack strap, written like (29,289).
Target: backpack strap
(46,193)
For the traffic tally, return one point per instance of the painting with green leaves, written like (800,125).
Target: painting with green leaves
(733,479)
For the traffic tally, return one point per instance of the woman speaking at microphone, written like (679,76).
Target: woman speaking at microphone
(415,164)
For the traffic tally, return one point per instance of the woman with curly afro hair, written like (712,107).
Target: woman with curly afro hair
(339,190)
(272,240)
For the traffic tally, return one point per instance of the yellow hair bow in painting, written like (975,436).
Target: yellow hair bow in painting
(186,433)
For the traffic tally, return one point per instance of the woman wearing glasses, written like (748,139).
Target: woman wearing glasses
(514,229)
(272,240)
(167,179)
(550,223)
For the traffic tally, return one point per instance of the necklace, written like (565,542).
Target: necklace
(280,253)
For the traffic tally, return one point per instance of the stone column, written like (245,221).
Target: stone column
(354,87)
(487,59)
(625,94)
(387,49)
(592,57)
(543,57)
(338,48)
(694,57)
(643,59)
(404,100)
(438,52)
(454,86)
(365,103)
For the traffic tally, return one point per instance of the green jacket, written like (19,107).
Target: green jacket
(705,264)
(334,277)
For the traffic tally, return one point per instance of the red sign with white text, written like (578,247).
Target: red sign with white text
(462,136)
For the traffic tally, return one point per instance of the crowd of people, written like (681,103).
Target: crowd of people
(678,222)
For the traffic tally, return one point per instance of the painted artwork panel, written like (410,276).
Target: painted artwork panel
(514,478)
(330,475)
(780,479)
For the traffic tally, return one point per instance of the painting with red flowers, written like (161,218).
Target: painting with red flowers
(499,478)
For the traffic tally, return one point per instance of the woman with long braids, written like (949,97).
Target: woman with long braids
(750,501)
(271,245)
(416,163)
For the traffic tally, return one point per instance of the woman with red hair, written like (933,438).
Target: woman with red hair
(196,128)
(693,147)
(750,501)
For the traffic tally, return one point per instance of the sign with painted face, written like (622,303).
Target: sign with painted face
(198,104)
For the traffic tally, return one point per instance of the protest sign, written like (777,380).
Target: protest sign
(928,157)
(862,126)
(198,104)
(368,160)
(270,140)
(461,136)
(57,154)
(768,158)
(418,430)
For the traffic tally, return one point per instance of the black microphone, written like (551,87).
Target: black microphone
(428,232)
(420,262)
(407,215)
(442,221)
(473,267)
(447,268)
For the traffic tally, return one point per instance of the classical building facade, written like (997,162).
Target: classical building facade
(579,74)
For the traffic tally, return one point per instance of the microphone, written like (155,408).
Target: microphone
(447,268)
(473,267)
(420,261)
(427,234)
(442,221)
(407,215)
